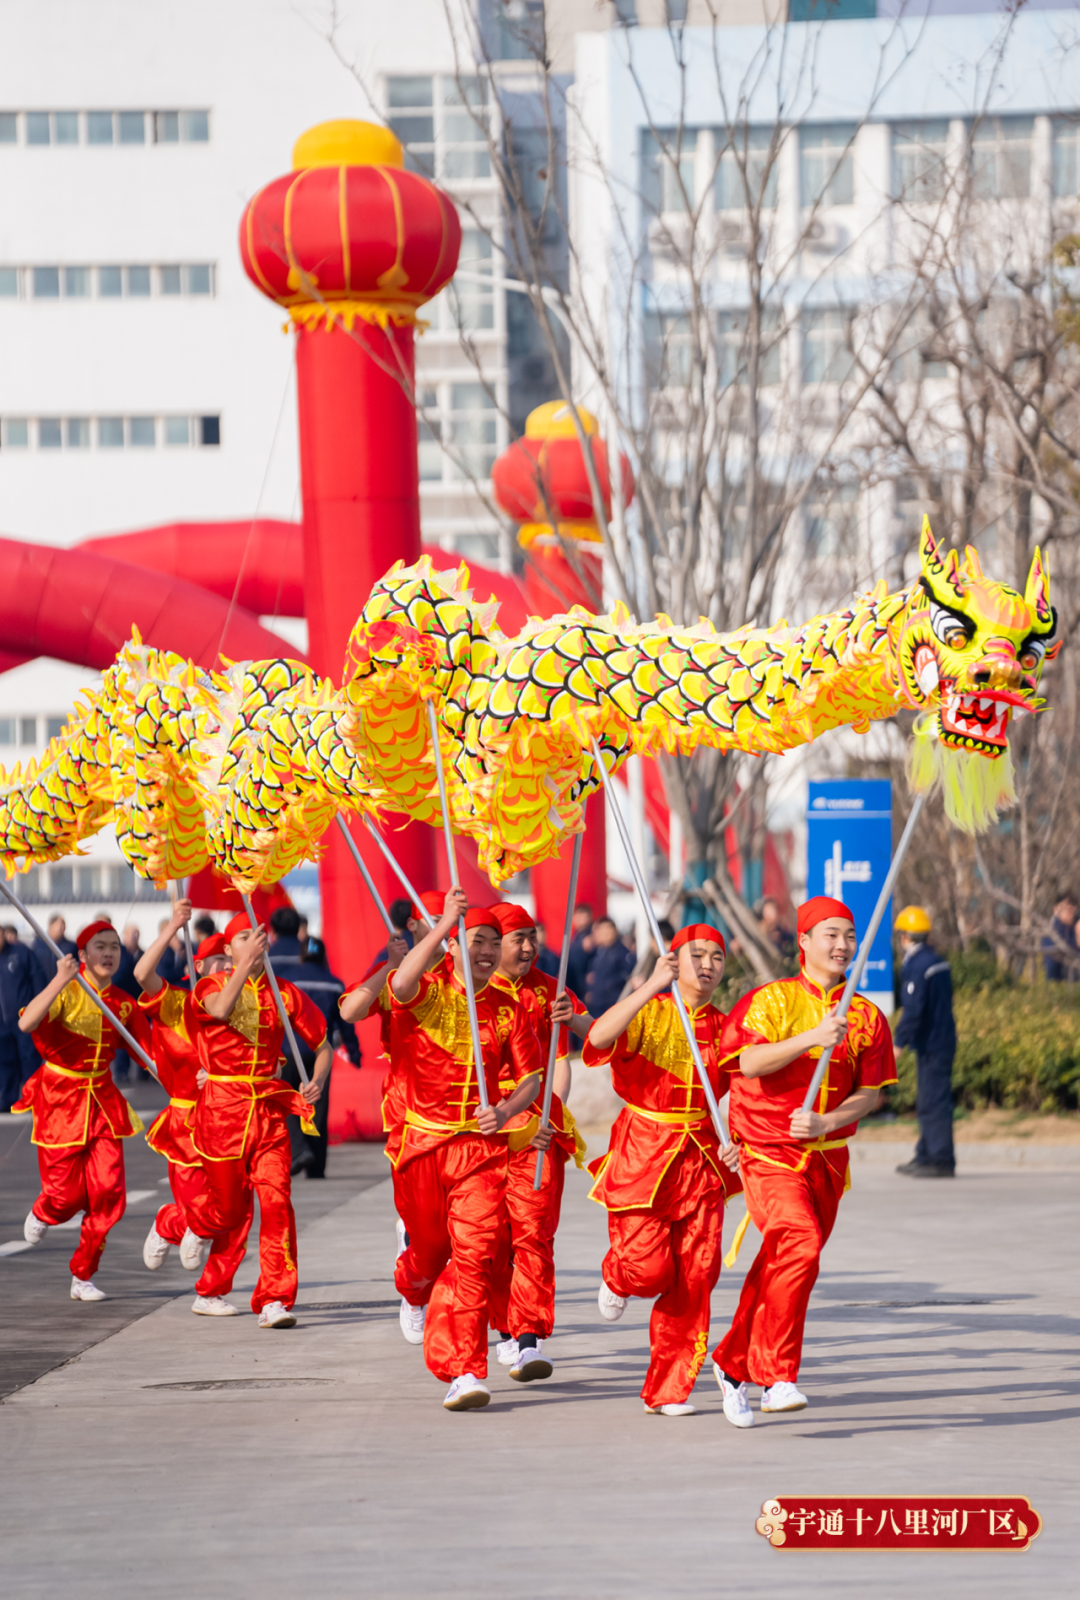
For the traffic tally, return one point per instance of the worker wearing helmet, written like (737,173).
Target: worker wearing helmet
(928,1028)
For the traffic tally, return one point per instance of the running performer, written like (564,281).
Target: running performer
(450,1170)
(794,1163)
(186,1222)
(240,1128)
(523,1291)
(664,1179)
(80,1116)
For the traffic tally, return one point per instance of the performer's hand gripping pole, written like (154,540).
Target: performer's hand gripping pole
(271,979)
(178,894)
(354,850)
(131,1044)
(560,989)
(855,975)
(392,863)
(451,861)
(680,1004)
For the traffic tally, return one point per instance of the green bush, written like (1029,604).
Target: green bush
(1016,1046)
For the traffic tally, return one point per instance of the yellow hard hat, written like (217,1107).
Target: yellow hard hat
(913,919)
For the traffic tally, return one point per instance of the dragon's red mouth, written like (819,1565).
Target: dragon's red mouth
(979,721)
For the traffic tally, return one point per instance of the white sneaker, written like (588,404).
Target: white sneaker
(411,1319)
(34,1230)
(275,1316)
(194,1251)
(783,1397)
(466,1394)
(215,1306)
(402,1236)
(611,1305)
(531,1364)
(84,1289)
(155,1249)
(736,1405)
(506,1352)
(682,1409)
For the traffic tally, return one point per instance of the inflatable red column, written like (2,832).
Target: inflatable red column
(541,482)
(353,245)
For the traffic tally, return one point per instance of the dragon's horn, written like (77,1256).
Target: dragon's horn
(933,564)
(972,564)
(1037,593)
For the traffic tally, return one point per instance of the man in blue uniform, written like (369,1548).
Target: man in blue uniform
(927,1027)
(18,986)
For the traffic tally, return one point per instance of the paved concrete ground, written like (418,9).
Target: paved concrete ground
(183,1457)
(40,1325)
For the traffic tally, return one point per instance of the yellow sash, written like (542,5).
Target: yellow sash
(670,1119)
(72,1072)
(415,1120)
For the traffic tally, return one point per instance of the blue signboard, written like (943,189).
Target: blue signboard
(849,848)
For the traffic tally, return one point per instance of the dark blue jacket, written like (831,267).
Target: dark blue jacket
(927,1025)
(45,961)
(609,969)
(1055,962)
(18,984)
(320,985)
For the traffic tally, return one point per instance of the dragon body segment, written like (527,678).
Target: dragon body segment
(248,767)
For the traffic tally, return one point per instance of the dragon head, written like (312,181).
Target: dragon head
(971,650)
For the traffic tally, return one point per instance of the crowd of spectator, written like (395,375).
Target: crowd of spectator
(1061,952)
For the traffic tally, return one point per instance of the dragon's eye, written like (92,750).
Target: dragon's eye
(1031,654)
(949,628)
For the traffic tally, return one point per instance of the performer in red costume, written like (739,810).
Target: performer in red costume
(450,1170)
(80,1116)
(240,1128)
(187,1221)
(523,1290)
(664,1178)
(794,1163)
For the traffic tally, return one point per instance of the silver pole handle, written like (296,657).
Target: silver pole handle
(271,979)
(366,875)
(560,989)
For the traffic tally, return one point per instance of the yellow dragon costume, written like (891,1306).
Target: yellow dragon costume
(247,767)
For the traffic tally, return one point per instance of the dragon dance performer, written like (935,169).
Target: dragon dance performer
(450,1170)
(80,1116)
(523,1289)
(794,1163)
(664,1178)
(240,1127)
(186,1222)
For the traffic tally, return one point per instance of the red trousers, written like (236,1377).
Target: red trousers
(794,1212)
(192,1209)
(673,1251)
(265,1168)
(452,1201)
(523,1283)
(90,1178)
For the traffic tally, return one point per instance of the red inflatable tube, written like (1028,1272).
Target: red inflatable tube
(79,606)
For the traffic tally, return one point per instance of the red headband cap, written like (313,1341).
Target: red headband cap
(433,903)
(479,917)
(215,944)
(698,930)
(511,918)
(100,926)
(819,909)
(237,925)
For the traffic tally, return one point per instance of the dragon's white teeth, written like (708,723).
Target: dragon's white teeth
(1021,711)
(986,705)
(929,677)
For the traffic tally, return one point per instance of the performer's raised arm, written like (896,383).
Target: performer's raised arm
(146,968)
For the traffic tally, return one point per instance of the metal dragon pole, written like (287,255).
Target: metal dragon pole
(680,1004)
(132,1044)
(178,894)
(278,1001)
(451,861)
(855,976)
(391,861)
(560,989)
(366,875)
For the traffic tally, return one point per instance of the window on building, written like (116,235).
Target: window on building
(471,305)
(735,347)
(38,130)
(465,122)
(99,127)
(918,160)
(668,163)
(169,279)
(412,119)
(65,127)
(473,426)
(7,730)
(918,353)
(831,521)
(177,430)
(1066,138)
(1001,158)
(54,727)
(46,283)
(110,433)
(110,282)
(62,883)
(132,127)
(76,282)
(77,432)
(9,127)
(429,425)
(209,430)
(15,433)
(142,433)
(194,127)
(197,279)
(748,166)
(831,10)
(826,351)
(443,123)
(138,281)
(50,433)
(520,32)
(27,730)
(826,164)
(9,282)
(669,350)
